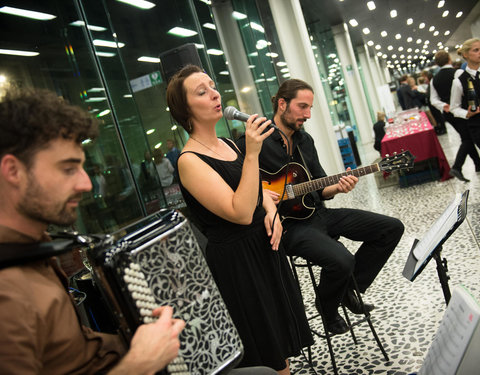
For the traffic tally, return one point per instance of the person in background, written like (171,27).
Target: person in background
(379,130)
(164,168)
(440,90)
(436,120)
(172,155)
(459,105)
(314,236)
(222,189)
(418,99)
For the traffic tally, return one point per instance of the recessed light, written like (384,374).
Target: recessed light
(436,33)
(431,28)
(181,32)
(142,4)
(209,25)
(384,33)
(400,48)
(441,3)
(409,50)
(371,5)
(398,36)
(90,27)
(393,13)
(378,46)
(409,21)
(366,31)
(446,33)
(409,39)
(238,15)
(214,51)
(390,48)
(107,43)
(149,59)
(16,52)
(353,22)
(419,41)
(370,43)
(444,14)
(422,25)
(27,13)
(459,14)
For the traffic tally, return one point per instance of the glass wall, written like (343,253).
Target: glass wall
(105,56)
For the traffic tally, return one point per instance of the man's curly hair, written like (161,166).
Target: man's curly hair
(31,118)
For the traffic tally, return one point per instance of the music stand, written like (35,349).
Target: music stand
(430,246)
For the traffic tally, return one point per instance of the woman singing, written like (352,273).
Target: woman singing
(223,191)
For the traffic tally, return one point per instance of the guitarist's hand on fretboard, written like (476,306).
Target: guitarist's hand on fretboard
(344,185)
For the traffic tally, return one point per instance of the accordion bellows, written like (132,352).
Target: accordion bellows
(157,261)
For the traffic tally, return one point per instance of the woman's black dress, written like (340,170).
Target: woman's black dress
(256,282)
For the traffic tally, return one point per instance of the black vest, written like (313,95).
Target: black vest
(464,78)
(443,83)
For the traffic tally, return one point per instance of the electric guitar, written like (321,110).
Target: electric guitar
(292,182)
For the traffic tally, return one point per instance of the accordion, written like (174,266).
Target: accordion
(157,261)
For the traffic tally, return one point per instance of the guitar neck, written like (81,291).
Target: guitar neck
(319,183)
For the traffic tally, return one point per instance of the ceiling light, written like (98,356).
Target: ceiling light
(370,43)
(419,41)
(128,96)
(224,73)
(27,13)
(149,59)
(446,33)
(209,25)
(390,48)
(104,54)
(238,15)
(400,48)
(417,50)
(199,46)
(95,99)
(402,56)
(371,5)
(281,63)
(157,146)
(398,36)
(256,26)
(16,52)
(409,21)
(379,54)
(427,42)
(436,33)
(353,22)
(150,131)
(213,51)
(459,14)
(394,56)
(142,4)
(366,31)
(90,27)
(384,33)
(422,25)
(107,43)
(378,46)
(441,3)
(271,54)
(393,13)
(409,39)
(444,14)
(96,89)
(181,32)
(409,50)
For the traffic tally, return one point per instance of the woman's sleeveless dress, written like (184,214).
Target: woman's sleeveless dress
(256,282)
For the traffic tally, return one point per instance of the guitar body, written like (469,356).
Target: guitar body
(294,179)
(290,208)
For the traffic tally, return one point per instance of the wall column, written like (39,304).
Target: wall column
(297,49)
(353,81)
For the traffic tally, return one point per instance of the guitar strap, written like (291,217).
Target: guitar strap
(314,194)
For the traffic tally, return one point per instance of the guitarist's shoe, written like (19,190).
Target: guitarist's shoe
(351,302)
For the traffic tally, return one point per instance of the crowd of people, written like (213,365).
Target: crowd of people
(249,232)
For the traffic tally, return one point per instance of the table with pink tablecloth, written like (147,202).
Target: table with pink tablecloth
(420,139)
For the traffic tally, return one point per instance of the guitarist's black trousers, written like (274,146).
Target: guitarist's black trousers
(315,239)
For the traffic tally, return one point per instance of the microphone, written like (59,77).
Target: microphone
(231,113)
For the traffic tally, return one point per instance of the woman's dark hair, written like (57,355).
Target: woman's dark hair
(177,96)
(288,91)
(31,118)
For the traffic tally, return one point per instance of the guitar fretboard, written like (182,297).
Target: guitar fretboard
(309,186)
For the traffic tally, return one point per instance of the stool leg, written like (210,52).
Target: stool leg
(368,318)
(350,325)
(324,322)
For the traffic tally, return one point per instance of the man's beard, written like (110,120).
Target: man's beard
(37,205)
(289,124)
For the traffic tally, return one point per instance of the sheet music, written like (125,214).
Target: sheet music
(437,231)
(453,336)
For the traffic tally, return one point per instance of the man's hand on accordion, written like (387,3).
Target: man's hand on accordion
(153,346)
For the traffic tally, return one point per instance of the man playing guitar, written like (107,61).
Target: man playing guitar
(314,236)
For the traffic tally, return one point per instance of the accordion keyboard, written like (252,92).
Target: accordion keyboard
(145,301)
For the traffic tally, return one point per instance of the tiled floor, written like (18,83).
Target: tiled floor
(407,313)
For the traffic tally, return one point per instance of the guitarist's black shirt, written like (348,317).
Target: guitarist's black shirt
(274,156)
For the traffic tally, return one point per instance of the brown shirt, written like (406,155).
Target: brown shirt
(39,329)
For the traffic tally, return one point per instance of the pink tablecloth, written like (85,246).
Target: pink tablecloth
(421,140)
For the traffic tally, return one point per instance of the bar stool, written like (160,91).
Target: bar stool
(299,262)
